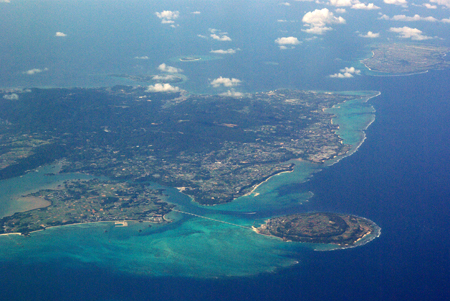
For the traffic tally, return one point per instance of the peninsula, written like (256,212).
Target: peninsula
(91,201)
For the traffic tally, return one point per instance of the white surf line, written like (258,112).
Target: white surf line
(216,220)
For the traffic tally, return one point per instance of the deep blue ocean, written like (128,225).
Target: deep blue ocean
(399,177)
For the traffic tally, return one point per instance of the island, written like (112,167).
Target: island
(341,230)
(406,58)
(190,59)
(168,78)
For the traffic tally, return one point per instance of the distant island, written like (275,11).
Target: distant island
(150,78)
(213,148)
(190,58)
(325,228)
(406,58)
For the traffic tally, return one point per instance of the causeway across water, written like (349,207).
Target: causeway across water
(216,220)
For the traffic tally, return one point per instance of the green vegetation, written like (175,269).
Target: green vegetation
(214,148)
(89,201)
(317,227)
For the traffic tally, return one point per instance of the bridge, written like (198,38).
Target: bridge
(212,219)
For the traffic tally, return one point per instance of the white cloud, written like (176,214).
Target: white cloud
(167,77)
(226,82)
(441,2)
(369,6)
(409,33)
(317,30)
(12,96)
(446,20)
(5,1)
(282,42)
(318,19)
(409,19)
(141,57)
(341,10)
(396,2)
(287,41)
(282,21)
(196,12)
(202,36)
(341,75)
(60,34)
(285,4)
(370,35)
(214,30)
(232,93)
(228,51)
(221,37)
(355,4)
(167,16)
(430,6)
(164,68)
(347,72)
(162,88)
(321,17)
(340,3)
(34,71)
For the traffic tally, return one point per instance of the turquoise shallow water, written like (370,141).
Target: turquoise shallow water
(197,248)
(189,246)
(36,180)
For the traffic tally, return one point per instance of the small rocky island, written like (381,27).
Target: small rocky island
(327,228)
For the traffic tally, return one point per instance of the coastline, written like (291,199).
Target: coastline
(362,97)
(266,180)
(361,131)
(365,239)
(362,61)
(121,224)
(386,74)
(12,233)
